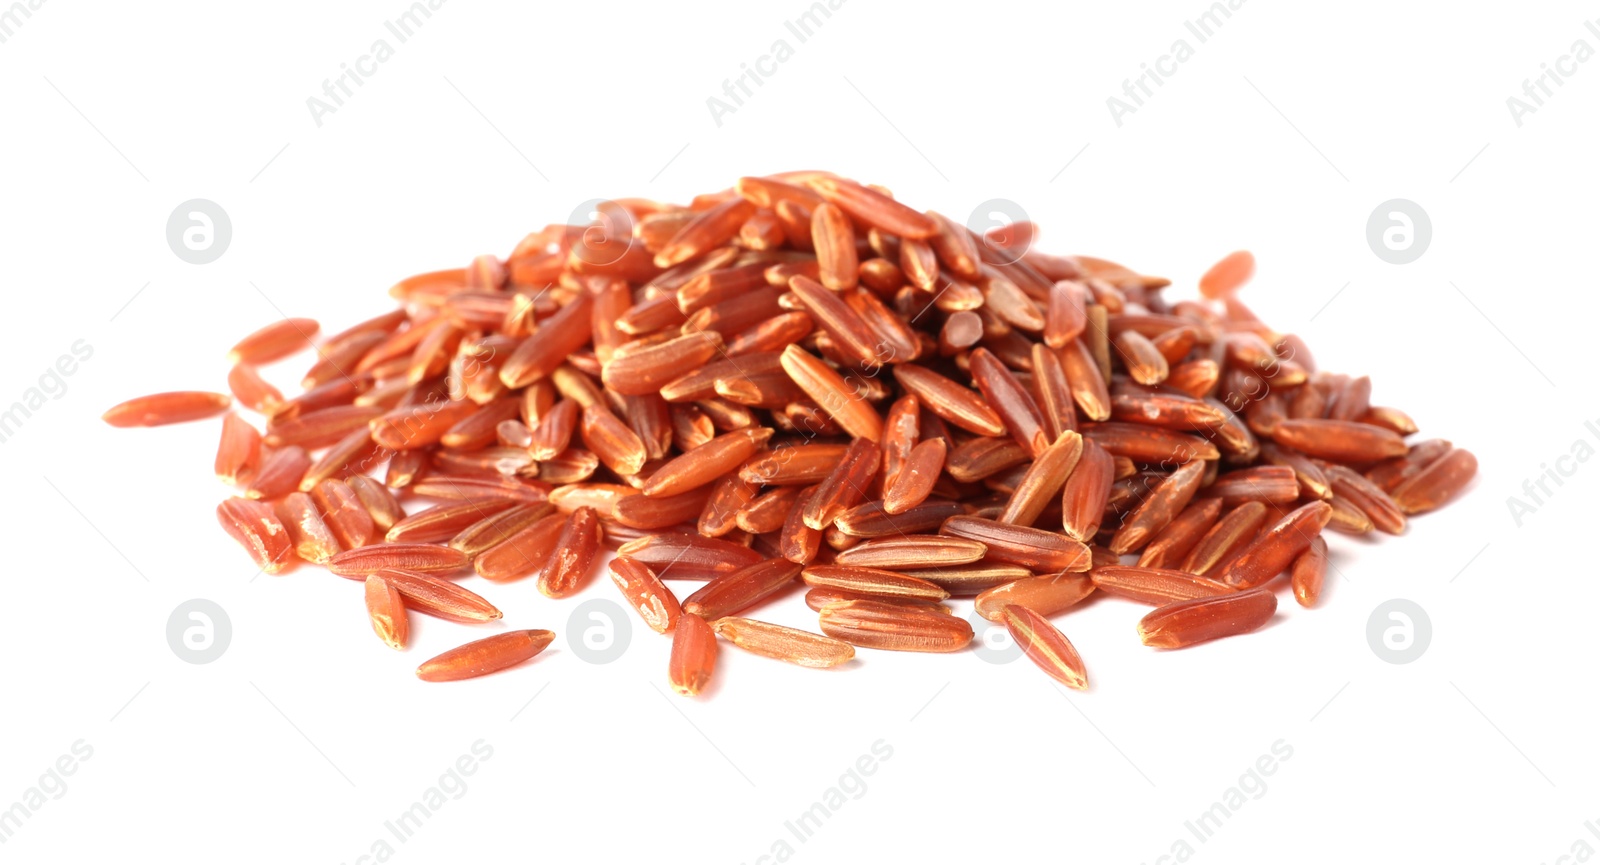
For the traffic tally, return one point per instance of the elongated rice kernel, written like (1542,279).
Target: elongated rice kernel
(706,463)
(275,341)
(418,426)
(1185,623)
(439,597)
(678,556)
(523,553)
(318,429)
(694,655)
(344,514)
(445,521)
(380,503)
(1046,596)
(313,540)
(845,486)
(1016,407)
(1146,365)
(1169,547)
(1277,547)
(493,530)
(617,445)
(238,452)
(257,528)
(1385,513)
(893,552)
(835,243)
(1346,517)
(1155,585)
(871,581)
(252,391)
(897,627)
(1391,473)
(1084,495)
(645,370)
(962,580)
(1436,484)
(1307,572)
(1342,441)
(950,400)
(742,589)
(1045,646)
(1163,504)
(460,488)
(573,557)
(830,392)
(1044,551)
(1226,539)
(916,478)
(645,592)
(1043,480)
(161,409)
(387,611)
(1227,275)
(426,558)
(785,644)
(488,655)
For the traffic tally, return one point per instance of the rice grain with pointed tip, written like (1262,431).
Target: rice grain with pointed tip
(694,655)
(387,612)
(1045,646)
(1185,623)
(784,644)
(485,656)
(160,409)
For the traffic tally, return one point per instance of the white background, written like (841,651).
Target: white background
(1281,134)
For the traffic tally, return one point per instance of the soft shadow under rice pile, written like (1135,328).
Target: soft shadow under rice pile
(801,384)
